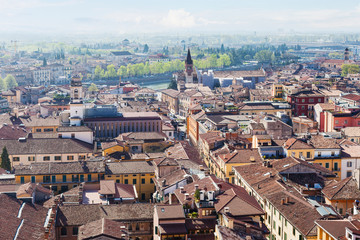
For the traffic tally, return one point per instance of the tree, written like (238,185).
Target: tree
(349,69)
(97,72)
(173,84)
(93,88)
(111,72)
(264,56)
(5,160)
(2,84)
(10,81)
(146,48)
(44,62)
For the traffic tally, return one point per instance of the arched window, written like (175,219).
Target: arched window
(76,93)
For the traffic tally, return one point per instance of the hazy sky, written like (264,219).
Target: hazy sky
(227,16)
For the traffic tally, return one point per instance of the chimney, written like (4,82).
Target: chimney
(196,186)
(282,201)
(182,189)
(287,200)
(247,231)
(226,210)
(163,183)
(186,196)
(170,198)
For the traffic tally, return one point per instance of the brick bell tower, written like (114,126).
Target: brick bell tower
(189,68)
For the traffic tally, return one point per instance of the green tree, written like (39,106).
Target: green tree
(97,72)
(2,84)
(10,81)
(111,72)
(264,56)
(5,160)
(122,72)
(349,69)
(172,84)
(93,88)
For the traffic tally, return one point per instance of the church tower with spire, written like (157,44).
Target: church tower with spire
(189,68)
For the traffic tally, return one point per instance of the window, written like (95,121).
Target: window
(349,164)
(57,158)
(303,100)
(60,135)
(48,130)
(126,181)
(75,178)
(327,165)
(31,159)
(302,107)
(340,210)
(336,121)
(64,188)
(319,100)
(134,181)
(117,181)
(81,178)
(53,179)
(64,178)
(274,224)
(151,180)
(308,155)
(54,188)
(345,122)
(33,179)
(279,231)
(16,159)
(285,236)
(75,231)
(143,196)
(70,157)
(311,100)
(46,158)
(285,223)
(63,231)
(38,130)
(82,157)
(348,174)
(137,227)
(46,179)
(73,135)
(294,231)
(89,177)
(143,181)
(22,180)
(332,154)
(336,167)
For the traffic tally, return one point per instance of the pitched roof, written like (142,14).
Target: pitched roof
(29,221)
(103,226)
(74,129)
(170,211)
(297,211)
(240,203)
(241,156)
(345,189)
(321,142)
(60,168)
(336,228)
(77,215)
(12,132)
(129,167)
(53,146)
(293,143)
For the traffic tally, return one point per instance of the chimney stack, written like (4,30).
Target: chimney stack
(186,196)
(287,200)
(282,201)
